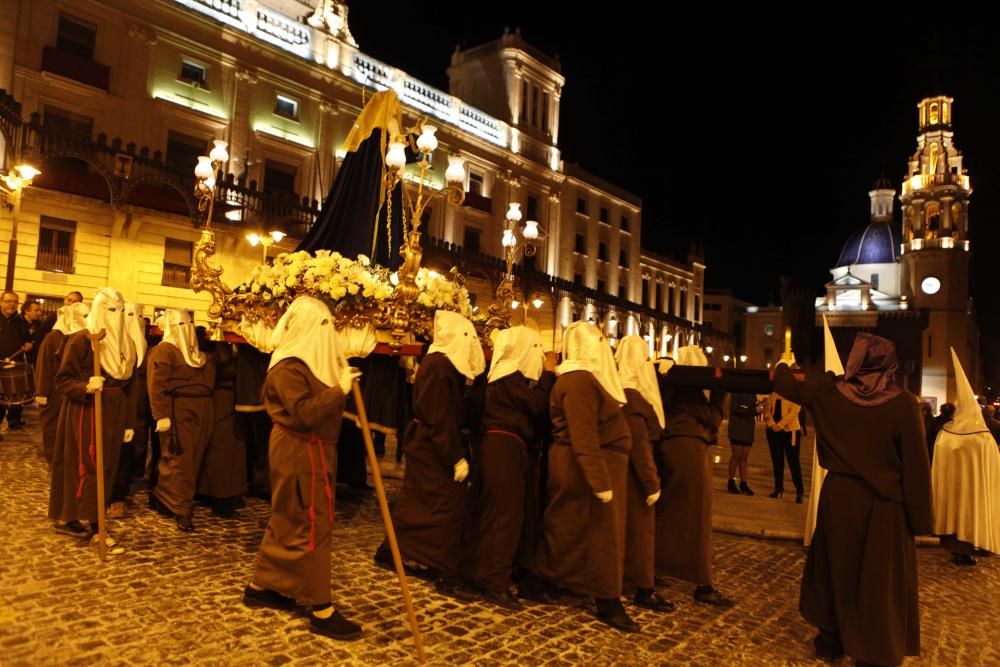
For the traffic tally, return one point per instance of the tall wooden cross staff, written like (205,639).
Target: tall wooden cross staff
(102,535)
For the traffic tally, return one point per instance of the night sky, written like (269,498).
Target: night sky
(758,137)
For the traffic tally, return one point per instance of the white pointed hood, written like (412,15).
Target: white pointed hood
(968,415)
(305,332)
(517,349)
(636,372)
(455,337)
(72,318)
(178,330)
(586,349)
(107,313)
(136,330)
(831,356)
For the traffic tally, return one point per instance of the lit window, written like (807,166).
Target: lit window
(286,107)
(194,74)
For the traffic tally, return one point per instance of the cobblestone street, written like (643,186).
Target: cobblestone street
(174,599)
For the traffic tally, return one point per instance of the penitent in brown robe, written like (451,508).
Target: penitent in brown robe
(224,468)
(429,513)
(684,511)
(294,557)
(583,544)
(860,578)
(46,366)
(73,491)
(504,467)
(640,530)
(182,394)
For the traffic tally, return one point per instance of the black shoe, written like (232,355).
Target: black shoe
(334,627)
(828,647)
(73,529)
(533,588)
(709,595)
(456,588)
(184,523)
(963,559)
(503,599)
(733,488)
(267,598)
(613,613)
(224,508)
(383,558)
(157,506)
(775,494)
(648,598)
(19,426)
(798,498)
(745,489)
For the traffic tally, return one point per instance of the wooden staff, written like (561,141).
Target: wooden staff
(102,547)
(359,404)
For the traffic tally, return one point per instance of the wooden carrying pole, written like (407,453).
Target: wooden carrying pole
(359,405)
(102,535)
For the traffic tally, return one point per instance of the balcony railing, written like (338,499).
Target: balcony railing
(58,261)
(75,67)
(478,202)
(176,275)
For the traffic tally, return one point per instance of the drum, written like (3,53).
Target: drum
(17,383)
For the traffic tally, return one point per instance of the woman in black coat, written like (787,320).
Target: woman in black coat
(742,418)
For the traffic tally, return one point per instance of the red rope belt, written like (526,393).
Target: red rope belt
(508,433)
(328,490)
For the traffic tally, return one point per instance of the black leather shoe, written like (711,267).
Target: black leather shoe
(733,489)
(184,523)
(503,599)
(648,598)
(798,498)
(745,489)
(775,494)
(963,559)
(72,528)
(454,587)
(613,613)
(334,627)
(383,558)
(267,598)
(709,595)
(157,506)
(828,647)
(534,588)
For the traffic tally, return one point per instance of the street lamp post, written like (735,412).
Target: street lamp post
(14,184)
(515,240)
(265,241)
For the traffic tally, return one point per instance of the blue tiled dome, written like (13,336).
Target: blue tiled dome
(878,243)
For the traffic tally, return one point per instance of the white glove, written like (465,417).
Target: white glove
(347,377)
(605,496)
(95,384)
(129,434)
(461,470)
(163,425)
(41,401)
(651,500)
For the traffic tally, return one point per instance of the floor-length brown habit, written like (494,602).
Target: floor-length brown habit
(73,490)
(182,394)
(860,578)
(583,543)
(504,466)
(46,367)
(294,557)
(643,481)
(224,468)
(684,511)
(430,512)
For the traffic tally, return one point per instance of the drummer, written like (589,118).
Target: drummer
(14,335)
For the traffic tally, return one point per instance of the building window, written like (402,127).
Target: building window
(194,74)
(602,286)
(470,240)
(183,150)
(581,205)
(475,183)
(602,251)
(684,307)
(645,291)
(545,113)
(56,239)
(76,37)
(279,177)
(659,295)
(874,281)
(581,244)
(623,258)
(670,299)
(67,123)
(604,214)
(768,330)
(621,291)
(577,279)
(177,262)
(524,102)
(624,223)
(532,208)
(697,307)
(286,107)
(534,106)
